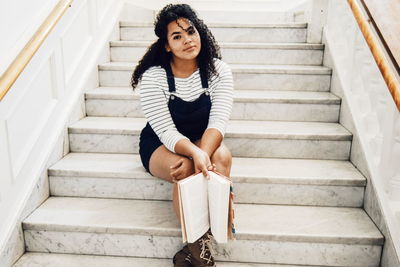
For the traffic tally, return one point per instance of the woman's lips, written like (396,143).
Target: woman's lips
(189,48)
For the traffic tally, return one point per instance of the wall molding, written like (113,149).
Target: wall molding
(28,187)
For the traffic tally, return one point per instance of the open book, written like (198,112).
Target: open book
(205,203)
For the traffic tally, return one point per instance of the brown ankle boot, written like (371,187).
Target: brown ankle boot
(182,258)
(200,251)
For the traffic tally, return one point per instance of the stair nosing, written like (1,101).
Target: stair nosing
(365,239)
(294,25)
(45,259)
(141,174)
(239,68)
(344,135)
(327,99)
(235,45)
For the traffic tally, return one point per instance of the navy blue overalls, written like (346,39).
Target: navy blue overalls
(190,118)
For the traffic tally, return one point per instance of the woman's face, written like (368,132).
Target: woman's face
(183,40)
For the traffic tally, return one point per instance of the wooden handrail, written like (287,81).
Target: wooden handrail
(22,59)
(384,18)
(388,74)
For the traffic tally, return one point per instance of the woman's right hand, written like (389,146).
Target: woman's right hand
(202,162)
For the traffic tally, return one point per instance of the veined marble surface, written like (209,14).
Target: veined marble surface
(250,54)
(283,234)
(241,110)
(245,138)
(240,96)
(70,260)
(244,170)
(240,68)
(240,147)
(156,189)
(166,247)
(246,45)
(14,247)
(235,128)
(248,104)
(256,77)
(300,149)
(279,33)
(229,25)
(265,181)
(271,81)
(312,224)
(134,188)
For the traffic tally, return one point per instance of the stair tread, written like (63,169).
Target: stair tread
(145,217)
(244,170)
(284,69)
(244,45)
(70,260)
(226,25)
(235,128)
(264,96)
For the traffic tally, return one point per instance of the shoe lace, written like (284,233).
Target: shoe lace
(206,246)
(188,258)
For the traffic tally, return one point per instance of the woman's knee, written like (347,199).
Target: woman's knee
(161,161)
(222,156)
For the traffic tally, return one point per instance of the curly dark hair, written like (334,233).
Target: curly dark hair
(156,54)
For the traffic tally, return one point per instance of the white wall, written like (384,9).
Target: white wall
(368,110)
(36,111)
(19,19)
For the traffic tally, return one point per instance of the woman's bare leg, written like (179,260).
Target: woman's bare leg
(160,162)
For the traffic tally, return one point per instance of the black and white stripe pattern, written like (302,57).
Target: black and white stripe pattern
(154,96)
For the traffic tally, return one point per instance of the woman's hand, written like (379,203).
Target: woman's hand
(202,163)
(182,168)
(201,160)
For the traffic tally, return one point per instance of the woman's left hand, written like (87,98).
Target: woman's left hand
(183,168)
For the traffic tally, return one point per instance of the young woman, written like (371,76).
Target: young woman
(186,95)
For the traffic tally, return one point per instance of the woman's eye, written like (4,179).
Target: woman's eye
(176,37)
(191,31)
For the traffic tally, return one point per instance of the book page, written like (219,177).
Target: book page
(194,198)
(183,228)
(218,201)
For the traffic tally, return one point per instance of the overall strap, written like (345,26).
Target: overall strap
(203,77)
(171,80)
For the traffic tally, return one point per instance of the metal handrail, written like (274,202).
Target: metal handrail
(23,58)
(387,72)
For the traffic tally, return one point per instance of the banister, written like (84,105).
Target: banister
(22,59)
(381,60)
(384,16)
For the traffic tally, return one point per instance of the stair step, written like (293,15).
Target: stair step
(240,53)
(71,260)
(262,181)
(312,140)
(248,104)
(257,77)
(237,12)
(310,235)
(278,33)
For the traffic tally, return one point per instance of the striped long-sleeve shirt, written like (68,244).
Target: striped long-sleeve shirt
(154,96)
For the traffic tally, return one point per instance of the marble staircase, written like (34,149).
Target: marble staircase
(299,199)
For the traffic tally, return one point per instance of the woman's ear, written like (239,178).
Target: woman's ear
(167,48)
